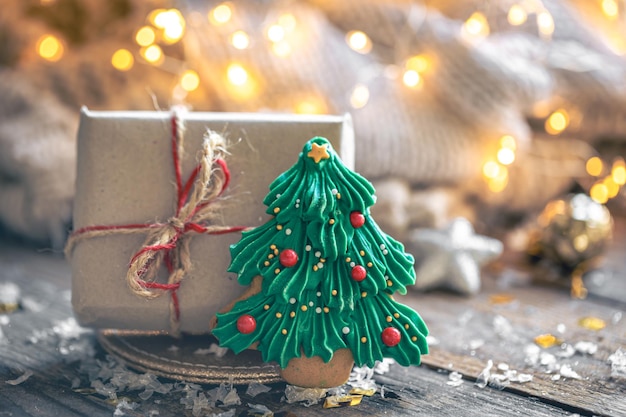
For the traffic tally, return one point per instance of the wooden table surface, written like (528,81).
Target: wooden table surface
(498,325)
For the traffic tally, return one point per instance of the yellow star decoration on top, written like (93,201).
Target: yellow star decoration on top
(318,152)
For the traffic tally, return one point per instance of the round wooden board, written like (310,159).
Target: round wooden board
(180,358)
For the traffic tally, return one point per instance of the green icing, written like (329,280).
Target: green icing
(315,307)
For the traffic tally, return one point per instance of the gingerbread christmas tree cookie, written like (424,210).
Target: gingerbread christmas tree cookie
(322,276)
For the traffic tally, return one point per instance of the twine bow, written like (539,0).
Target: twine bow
(168,242)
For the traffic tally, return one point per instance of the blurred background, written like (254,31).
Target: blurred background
(488,110)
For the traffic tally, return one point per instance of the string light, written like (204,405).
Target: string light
(153,54)
(360,96)
(491,169)
(599,193)
(359,41)
(155,15)
(594,166)
(517,15)
(509,142)
(145,36)
(500,181)
(50,48)
(475,27)
(288,22)
(164,18)
(411,79)
(240,40)
(419,63)
(506,156)
(557,122)
(190,80)
(122,60)
(221,14)
(610,9)
(275,33)
(545,23)
(237,75)
(311,105)
(281,49)
(618,173)
(611,187)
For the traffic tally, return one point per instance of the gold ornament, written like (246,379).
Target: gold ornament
(575,232)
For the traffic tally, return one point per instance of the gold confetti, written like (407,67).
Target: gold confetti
(501,298)
(547,340)
(592,323)
(363,391)
(335,401)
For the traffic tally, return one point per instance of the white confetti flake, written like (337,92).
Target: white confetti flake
(502,327)
(561,328)
(567,351)
(616,318)
(556,377)
(255,389)
(566,371)
(9,293)
(124,405)
(307,396)
(618,363)
(455,379)
(476,343)
(232,398)
(503,366)
(22,378)
(584,347)
(483,378)
(260,410)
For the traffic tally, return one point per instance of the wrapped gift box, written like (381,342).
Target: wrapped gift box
(125,175)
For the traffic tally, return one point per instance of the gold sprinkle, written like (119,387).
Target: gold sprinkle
(292,314)
(326,309)
(270,256)
(414,338)
(266,263)
(315,268)
(389,319)
(266,307)
(338,196)
(396,315)
(276,209)
(348,259)
(389,283)
(501,298)
(362,253)
(335,401)
(369,264)
(276,252)
(334,292)
(364,294)
(406,326)
(278,315)
(279,227)
(363,339)
(547,340)
(277,270)
(272,247)
(592,323)
(331,221)
(284,331)
(322,260)
(363,391)
(303,307)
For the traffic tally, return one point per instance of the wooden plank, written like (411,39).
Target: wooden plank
(32,342)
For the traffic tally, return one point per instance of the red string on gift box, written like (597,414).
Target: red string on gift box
(169,242)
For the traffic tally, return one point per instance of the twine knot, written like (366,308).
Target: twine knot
(168,243)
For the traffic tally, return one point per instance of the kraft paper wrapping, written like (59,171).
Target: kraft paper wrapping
(125,175)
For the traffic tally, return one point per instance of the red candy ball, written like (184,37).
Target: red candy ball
(246,324)
(288,258)
(357,219)
(358,273)
(391,336)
